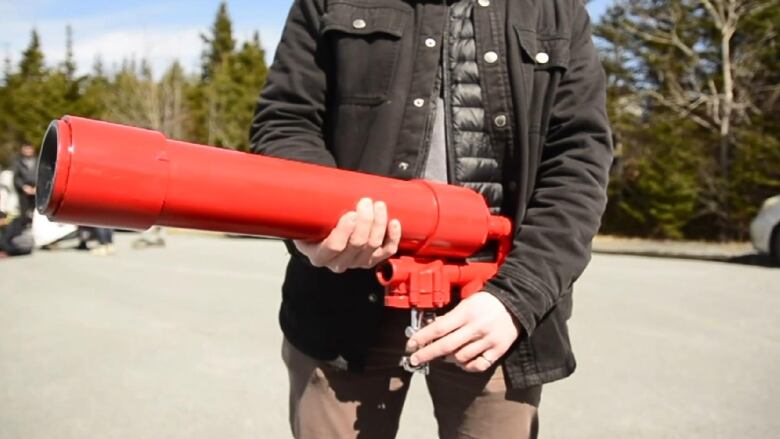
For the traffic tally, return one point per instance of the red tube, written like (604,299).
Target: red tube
(104,174)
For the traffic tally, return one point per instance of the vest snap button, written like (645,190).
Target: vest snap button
(359,23)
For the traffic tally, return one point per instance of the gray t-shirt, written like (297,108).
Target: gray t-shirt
(436,163)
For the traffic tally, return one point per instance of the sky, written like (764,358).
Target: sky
(158,30)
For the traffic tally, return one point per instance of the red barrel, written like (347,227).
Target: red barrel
(110,175)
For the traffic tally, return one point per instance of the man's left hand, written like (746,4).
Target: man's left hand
(476,333)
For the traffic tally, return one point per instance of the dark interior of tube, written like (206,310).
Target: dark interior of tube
(47,163)
(386,272)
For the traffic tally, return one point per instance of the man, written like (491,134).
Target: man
(502,96)
(25,169)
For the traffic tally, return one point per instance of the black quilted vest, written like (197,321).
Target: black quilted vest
(472,159)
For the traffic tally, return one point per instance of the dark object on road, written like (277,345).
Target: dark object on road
(17,238)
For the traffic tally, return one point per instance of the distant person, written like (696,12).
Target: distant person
(104,237)
(25,169)
(17,237)
(152,237)
(3,213)
(9,204)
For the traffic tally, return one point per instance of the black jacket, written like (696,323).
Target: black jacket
(24,175)
(341,92)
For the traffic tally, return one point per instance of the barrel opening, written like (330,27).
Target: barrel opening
(47,163)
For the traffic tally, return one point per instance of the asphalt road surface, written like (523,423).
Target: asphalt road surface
(182,342)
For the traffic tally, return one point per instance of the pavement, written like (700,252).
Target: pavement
(183,342)
(701,250)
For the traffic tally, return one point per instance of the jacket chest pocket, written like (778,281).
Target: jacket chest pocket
(364,43)
(546,60)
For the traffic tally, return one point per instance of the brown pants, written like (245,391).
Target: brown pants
(328,402)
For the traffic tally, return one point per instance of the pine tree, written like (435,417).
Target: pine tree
(232,95)
(69,65)
(219,43)
(31,66)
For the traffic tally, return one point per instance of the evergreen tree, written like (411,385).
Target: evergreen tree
(69,65)
(31,66)
(219,44)
(232,95)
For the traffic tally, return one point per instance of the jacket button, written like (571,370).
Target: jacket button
(542,58)
(430,42)
(484,3)
(491,57)
(512,186)
(373,297)
(359,24)
(403,166)
(500,120)
(419,102)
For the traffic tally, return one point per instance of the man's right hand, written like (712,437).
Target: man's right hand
(361,239)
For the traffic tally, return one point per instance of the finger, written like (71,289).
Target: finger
(307,248)
(365,218)
(335,242)
(390,247)
(482,362)
(377,234)
(343,261)
(437,329)
(393,237)
(471,351)
(444,346)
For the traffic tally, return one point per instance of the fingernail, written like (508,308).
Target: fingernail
(411,346)
(414,360)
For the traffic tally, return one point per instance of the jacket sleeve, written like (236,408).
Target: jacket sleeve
(289,116)
(290,112)
(552,243)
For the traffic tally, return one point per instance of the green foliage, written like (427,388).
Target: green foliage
(219,44)
(232,94)
(214,106)
(755,175)
(681,171)
(657,190)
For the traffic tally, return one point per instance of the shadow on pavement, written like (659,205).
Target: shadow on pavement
(756,259)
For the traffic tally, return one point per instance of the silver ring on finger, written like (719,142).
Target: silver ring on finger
(482,356)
